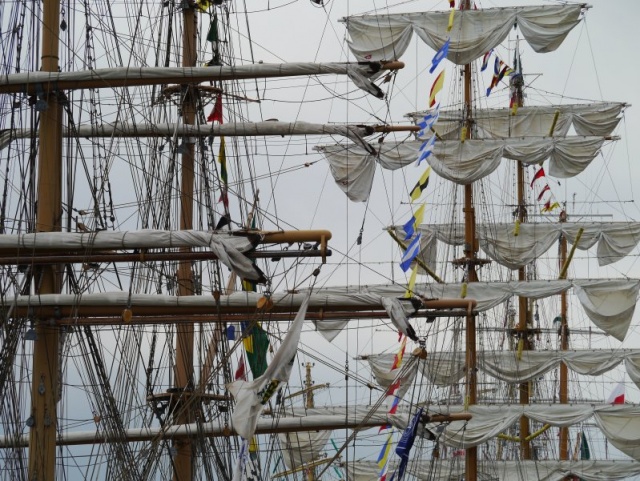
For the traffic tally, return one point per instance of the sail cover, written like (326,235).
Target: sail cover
(474,32)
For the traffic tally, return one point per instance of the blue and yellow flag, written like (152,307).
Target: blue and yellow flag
(384,453)
(415,221)
(411,253)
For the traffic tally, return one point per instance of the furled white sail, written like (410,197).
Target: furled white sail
(397,310)
(362,419)
(353,167)
(299,448)
(228,249)
(597,119)
(145,238)
(359,73)
(474,32)
(497,470)
(232,129)
(609,303)
(385,376)
(619,423)
(472,160)
(614,240)
(611,309)
(449,367)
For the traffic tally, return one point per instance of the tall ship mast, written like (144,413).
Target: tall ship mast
(204,199)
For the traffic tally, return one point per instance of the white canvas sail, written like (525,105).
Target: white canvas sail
(143,127)
(474,32)
(448,367)
(547,470)
(592,119)
(461,163)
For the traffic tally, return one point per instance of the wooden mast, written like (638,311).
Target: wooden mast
(184,381)
(470,250)
(564,345)
(309,404)
(523,302)
(45,376)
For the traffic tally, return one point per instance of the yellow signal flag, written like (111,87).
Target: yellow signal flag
(419,215)
(203,5)
(412,283)
(451,15)
(253,445)
(248,344)
(463,134)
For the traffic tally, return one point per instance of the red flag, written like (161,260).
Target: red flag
(391,390)
(224,198)
(546,188)
(241,372)
(617,395)
(537,176)
(216,113)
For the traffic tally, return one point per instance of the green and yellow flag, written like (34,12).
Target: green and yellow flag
(256,345)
